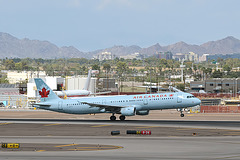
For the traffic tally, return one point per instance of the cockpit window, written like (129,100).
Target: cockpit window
(190,97)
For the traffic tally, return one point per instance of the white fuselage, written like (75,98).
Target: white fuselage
(173,100)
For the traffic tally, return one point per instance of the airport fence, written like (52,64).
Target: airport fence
(220,109)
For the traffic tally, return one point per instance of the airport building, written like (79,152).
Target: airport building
(218,85)
(10,96)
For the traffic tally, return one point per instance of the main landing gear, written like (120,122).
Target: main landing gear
(122,118)
(113,118)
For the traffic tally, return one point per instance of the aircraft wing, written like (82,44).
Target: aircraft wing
(104,106)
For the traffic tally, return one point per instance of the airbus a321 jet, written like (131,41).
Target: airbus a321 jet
(129,105)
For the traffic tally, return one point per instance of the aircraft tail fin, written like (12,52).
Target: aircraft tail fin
(44,90)
(86,87)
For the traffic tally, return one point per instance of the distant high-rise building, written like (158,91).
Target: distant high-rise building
(104,56)
(203,58)
(179,56)
(164,55)
(191,56)
(132,56)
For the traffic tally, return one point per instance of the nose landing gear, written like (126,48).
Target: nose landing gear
(182,115)
(181,111)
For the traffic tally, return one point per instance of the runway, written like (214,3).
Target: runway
(173,123)
(194,137)
(80,139)
(138,148)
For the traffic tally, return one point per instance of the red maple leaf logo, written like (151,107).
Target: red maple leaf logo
(170,95)
(44,93)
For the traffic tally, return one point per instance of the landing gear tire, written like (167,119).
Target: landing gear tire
(122,118)
(182,115)
(113,118)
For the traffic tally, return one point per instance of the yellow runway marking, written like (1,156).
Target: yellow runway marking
(147,127)
(4,123)
(67,145)
(101,125)
(98,147)
(190,114)
(52,124)
(40,150)
(83,149)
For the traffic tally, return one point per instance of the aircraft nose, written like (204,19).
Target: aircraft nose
(198,101)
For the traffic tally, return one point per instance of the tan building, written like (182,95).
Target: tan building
(17,77)
(191,56)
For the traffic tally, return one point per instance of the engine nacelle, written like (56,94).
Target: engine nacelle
(128,111)
(143,112)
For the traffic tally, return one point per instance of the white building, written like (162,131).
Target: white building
(104,56)
(203,58)
(78,83)
(132,56)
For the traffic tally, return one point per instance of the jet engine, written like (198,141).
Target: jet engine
(128,111)
(143,112)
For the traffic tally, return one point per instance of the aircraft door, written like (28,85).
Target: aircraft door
(145,101)
(104,101)
(179,98)
(60,107)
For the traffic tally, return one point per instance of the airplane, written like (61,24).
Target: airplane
(80,93)
(74,93)
(125,105)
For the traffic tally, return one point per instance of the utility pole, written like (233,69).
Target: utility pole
(182,67)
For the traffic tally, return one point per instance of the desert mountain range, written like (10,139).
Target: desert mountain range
(13,47)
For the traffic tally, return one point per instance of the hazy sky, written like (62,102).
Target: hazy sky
(96,24)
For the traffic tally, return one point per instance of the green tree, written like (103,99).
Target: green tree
(96,67)
(226,68)
(9,64)
(217,74)
(106,67)
(121,67)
